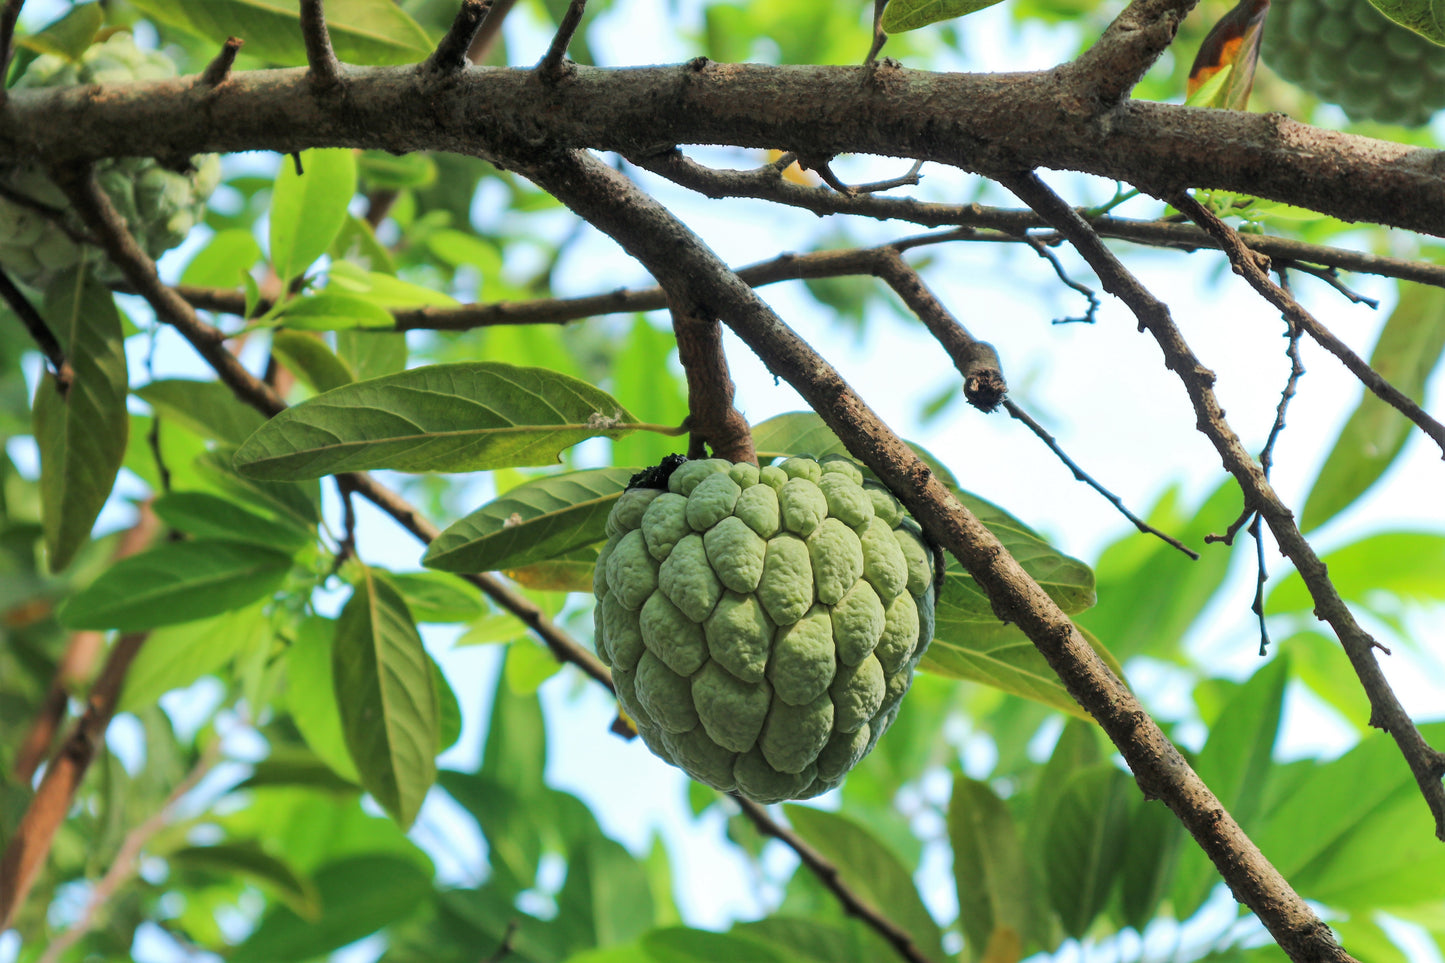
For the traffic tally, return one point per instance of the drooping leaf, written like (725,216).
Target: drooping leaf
(81,434)
(1151,854)
(204,515)
(247,860)
(567,573)
(362,31)
(176,582)
(310,696)
(642,373)
(1085,844)
(534,522)
(311,360)
(606,899)
(438,597)
(875,873)
(175,656)
(297,502)
(387,697)
(308,209)
(903,15)
(357,896)
(989,870)
(222,262)
(1231,51)
(455,417)
(1408,350)
(371,354)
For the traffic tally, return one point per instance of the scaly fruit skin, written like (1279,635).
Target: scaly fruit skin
(160,206)
(762,626)
(1347,52)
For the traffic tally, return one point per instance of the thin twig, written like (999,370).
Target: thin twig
(1332,277)
(712,419)
(219,69)
(1019,414)
(1426,763)
(124,865)
(552,64)
(880,37)
(325,69)
(1043,251)
(504,948)
(1246,264)
(831,877)
(1261,576)
(40,332)
(450,55)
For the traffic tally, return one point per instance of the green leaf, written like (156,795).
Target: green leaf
(606,899)
(387,697)
(384,289)
(371,354)
(1409,348)
(358,896)
(643,373)
(81,434)
(567,573)
(437,597)
(536,521)
(330,311)
(806,940)
(1150,856)
(989,870)
(449,710)
(222,262)
(311,360)
(874,872)
(204,515)
(308,209)
(176,582)
(206,408)
(297,502)
(381,169)
(454,417)
(175,656)
(1085,844)
(248,861)
(679,944)
(362,31)
(1409,565)
(903,15)
(528,666)
(310,697)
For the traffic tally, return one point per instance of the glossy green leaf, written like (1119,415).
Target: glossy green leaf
(1408,350)
(903,15)
(874,872)
(1409,565)
(310,696)
(176,582)
(387,697)
(296,502)
(362,31)
(311,360)
(455,417)
(207,408)
(203,515)
(358,896)
(308,209)
(536,521)
(384,289)
(438,597)
(248,861)
(81,435)
(222,262)
(176,656)
(1085,844)
(989,870)
(331,311)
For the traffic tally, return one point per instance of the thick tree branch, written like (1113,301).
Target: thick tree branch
(685,266)
(975,122)
(1427,764)
(1104,74)
(450,55)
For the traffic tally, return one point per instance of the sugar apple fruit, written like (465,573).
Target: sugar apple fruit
(763,625)
(161,206)
(1346,52)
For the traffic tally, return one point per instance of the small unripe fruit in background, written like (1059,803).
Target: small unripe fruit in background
(762,626)
(160,206)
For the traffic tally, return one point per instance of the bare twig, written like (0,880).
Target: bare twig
(552,64)
(1246,264)
(40,332)
(324,70)
(880,37)
(1019,414)
(712,419)
(124,866)
(1331,277)
(1426,764)
(219,69)
(25,852)
(683,264)
(1043,251)
(491,29)
(1103,75)
(450,55)
(1261,576)
(832,878)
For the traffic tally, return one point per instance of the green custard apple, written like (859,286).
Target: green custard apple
(1346,52)
(762,626)
(160,206)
